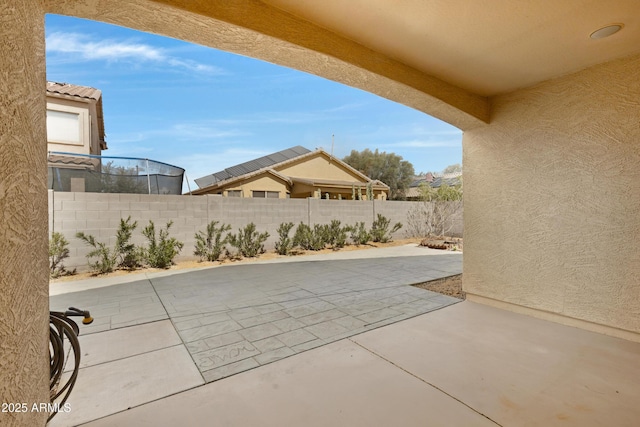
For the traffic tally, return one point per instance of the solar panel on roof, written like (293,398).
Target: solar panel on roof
(236,170)
(222,175)
(252,165)
(264,162)
(277,157)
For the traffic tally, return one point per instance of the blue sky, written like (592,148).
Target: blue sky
(204,109)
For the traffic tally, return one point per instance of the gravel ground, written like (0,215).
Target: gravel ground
(451,286)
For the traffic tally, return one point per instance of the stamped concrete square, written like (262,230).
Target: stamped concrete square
(268,344)
(326,330)
(296,337)
(211,330)
(224,355)
(259,332)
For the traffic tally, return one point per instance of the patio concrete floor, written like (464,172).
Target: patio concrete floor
(171,332)
(463,365)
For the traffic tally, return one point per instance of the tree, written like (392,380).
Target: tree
(435,214)
(453,168)
(386,167)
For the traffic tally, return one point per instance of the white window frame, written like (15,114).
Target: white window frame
(83,117)
(265,194)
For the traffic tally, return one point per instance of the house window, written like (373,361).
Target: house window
(234,193)
(63,127)
(266,194)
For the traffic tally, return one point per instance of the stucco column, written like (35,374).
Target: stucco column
(24,302)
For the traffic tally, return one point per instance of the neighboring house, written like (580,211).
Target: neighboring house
(75,122)
(75,125)
(296,172)
(434,181)
(76,139)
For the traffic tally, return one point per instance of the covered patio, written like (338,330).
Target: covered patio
(548,99)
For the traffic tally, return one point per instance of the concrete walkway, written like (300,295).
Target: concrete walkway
(464,365)
(172,332)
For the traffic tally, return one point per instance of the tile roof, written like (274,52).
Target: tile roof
(252,166)
(83,92)
(74,90)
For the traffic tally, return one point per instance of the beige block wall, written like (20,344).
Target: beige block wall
(552,196)
(99,215)
(24,302)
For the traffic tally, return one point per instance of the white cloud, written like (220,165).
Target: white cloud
(186,131)
(87,49)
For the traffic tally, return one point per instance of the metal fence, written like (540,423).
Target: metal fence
(105,174)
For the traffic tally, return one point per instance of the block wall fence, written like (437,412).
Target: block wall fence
(99,214)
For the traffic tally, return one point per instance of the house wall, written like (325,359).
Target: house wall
(261,183)
(319,167)
(99,215)
(24,285)
(552,195)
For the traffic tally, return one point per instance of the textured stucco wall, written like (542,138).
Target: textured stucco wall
(24,302)
(317,167)
(265,182)
(552,196)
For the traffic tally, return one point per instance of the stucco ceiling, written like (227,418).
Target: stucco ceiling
(485,47)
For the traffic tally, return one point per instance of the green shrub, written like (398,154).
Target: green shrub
(210,246)
(336,234)
(248,242)
(359,234)
(127,254)
(123,255)
(284,244)
(58,252)
(380,229)
(310,239)
(320,237)
(107,259)
(160,251)
(302,236)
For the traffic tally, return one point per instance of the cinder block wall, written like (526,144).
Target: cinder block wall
(99,215)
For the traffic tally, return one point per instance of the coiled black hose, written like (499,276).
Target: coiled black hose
(61,327)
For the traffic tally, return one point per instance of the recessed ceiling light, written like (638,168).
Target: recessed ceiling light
(607,31)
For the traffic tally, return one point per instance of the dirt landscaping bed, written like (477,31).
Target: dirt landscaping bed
(265,256)
(451,286)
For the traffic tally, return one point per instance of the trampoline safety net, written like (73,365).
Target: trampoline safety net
(103,174)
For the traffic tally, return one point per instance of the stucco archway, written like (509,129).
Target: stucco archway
(566,132)
(264,32)
(247,28)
